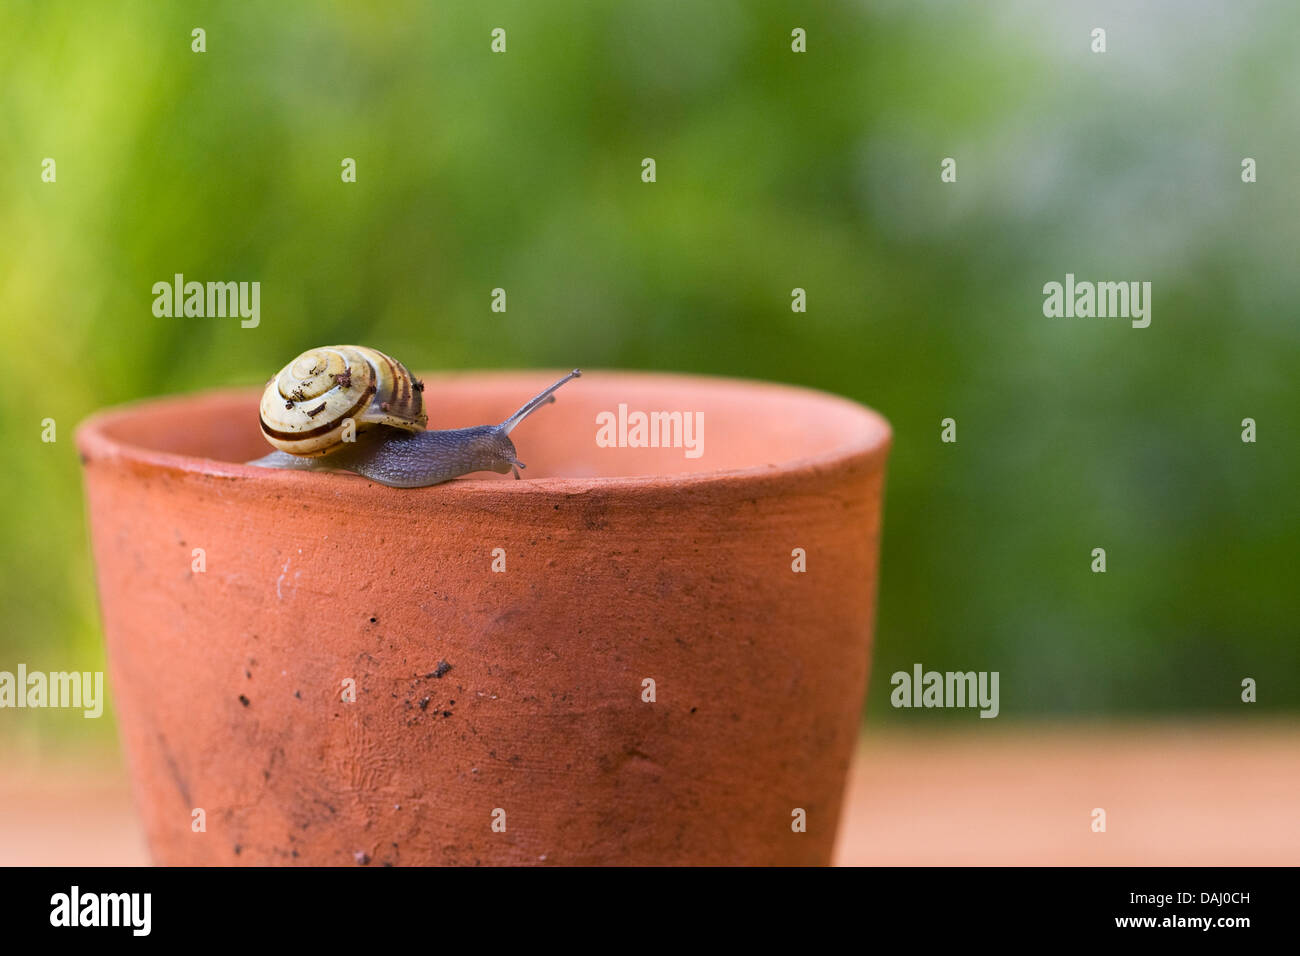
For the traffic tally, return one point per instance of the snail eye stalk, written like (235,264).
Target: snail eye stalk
(537,401)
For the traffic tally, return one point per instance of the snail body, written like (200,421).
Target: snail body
(350,408)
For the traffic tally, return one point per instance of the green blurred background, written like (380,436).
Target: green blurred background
(775,170)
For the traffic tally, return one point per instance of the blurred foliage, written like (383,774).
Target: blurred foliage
(775,170)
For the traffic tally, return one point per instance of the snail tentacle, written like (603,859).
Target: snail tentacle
(544,397)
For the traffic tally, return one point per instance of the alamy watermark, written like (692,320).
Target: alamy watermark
(213,300)
(1085,300)
(624,429)
(75,908)
(75,689)
(946,689)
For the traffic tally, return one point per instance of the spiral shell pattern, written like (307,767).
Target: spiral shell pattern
(305,408)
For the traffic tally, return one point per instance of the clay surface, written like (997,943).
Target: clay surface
(477,691)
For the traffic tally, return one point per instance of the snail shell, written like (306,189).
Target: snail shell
(306,406)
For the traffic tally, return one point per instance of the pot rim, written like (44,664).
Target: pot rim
(872,440)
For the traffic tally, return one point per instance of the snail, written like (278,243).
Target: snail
(351,408)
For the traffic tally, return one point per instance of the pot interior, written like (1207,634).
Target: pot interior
(735,425)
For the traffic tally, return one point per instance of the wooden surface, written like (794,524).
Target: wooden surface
(1173,794)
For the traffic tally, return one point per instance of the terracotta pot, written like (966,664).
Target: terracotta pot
(480,691)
